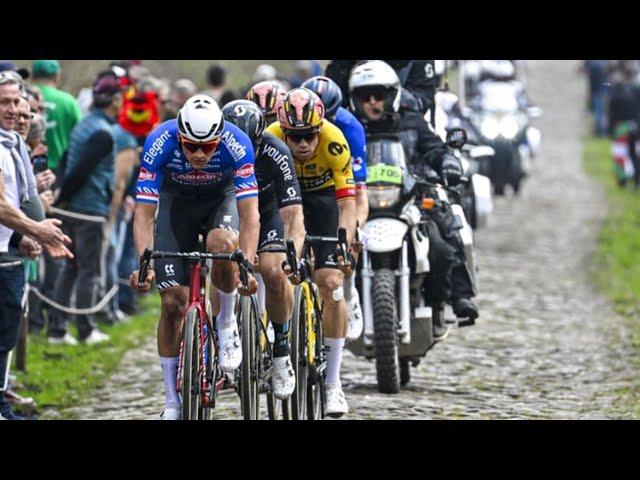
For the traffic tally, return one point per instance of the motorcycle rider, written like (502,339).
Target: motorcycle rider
(416,76)
(375,96)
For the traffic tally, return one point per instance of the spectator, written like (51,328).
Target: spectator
(125,164)
(36,100)
(217,82)
(263,73)
(63,112)
(304,70)
(11,67)
(181,91)
(44,179)
(596,70)
(87,189)
(16,186)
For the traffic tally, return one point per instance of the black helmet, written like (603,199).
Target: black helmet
(248,117)
(328,91)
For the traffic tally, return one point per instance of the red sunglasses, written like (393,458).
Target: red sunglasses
(206,148)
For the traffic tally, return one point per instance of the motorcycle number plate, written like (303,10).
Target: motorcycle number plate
(384,173)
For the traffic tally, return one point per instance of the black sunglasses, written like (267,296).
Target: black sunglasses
(297,137)
(378,93)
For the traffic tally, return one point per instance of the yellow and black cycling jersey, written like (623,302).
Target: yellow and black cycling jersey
(330,165)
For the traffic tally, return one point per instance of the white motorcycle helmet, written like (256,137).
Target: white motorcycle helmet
(374,73)
(200,119)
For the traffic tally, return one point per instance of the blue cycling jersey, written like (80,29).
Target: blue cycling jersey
(165,167)
(353,131)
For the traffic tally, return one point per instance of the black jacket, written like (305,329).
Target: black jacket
(422,147)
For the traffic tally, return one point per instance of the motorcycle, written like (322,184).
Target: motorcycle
(458,132)
(398,326)
(503,123)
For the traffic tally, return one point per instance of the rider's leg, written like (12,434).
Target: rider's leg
(334,316)
(222,276)
(221,240)
(174,300)
(278,299)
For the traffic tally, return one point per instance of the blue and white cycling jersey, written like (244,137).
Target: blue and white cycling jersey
(165,167)
(353,131)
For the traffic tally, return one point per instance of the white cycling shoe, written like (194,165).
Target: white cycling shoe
(355,317)
(230,354)
(171,414)
(336,402)
(284,378)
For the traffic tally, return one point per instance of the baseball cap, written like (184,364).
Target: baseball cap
(45,67)
(106,84)
(23,72)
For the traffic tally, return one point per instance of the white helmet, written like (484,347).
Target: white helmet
(200,119)
(373,73)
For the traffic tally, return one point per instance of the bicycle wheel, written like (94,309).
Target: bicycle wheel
(206,413)
(315,388)
(298,340)
(249,392)
(190,387)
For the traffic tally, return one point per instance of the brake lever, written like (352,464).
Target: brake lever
(144,267)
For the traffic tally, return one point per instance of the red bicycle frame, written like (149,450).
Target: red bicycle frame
(197,300)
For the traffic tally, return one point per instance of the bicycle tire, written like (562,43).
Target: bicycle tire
(297,338)
(206,413)
(249,393)
(315,389)
(190,387)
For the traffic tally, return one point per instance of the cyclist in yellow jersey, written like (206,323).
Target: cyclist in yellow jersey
(323,166)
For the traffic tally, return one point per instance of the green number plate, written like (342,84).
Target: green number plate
(384,173)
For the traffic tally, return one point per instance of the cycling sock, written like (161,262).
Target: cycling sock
(333,347)
(347,286)
(227,316)
(281,343)
(169,373)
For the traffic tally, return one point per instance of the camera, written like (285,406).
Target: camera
(40,163)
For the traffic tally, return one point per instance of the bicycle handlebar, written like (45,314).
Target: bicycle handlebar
(342,248)
(237,257)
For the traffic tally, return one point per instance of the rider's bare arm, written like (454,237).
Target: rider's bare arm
(362,206)
(293,220)
(347,217)
(143,225)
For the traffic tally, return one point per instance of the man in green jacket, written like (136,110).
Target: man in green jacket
(63,112)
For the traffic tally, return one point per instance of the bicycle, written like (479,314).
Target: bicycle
(306,334)
(256,370)
(199,374)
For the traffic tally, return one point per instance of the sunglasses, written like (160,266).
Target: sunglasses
(365,93)
(297,137)
(207,148)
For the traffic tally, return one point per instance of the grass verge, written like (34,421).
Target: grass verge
(59,376)
(616,269)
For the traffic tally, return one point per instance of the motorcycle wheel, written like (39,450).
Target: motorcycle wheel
(385,322)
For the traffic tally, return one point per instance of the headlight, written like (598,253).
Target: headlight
(490,127)
(509,127)
(383,197)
